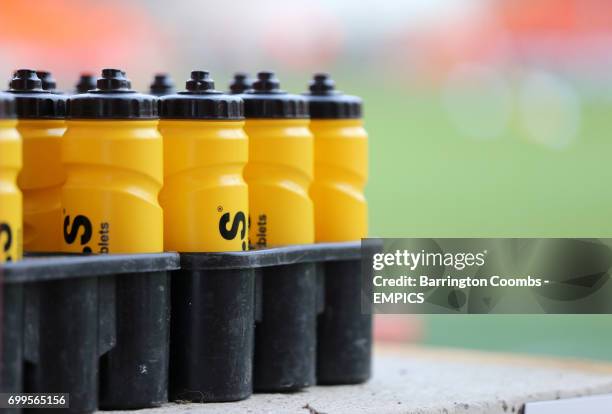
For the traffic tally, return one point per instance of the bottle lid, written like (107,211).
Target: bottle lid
(7,106)
(200,100)
(162,85)
(87,82)
(241,83)
(266,100)
(113,98)
(48,81)
(32,100)
(328,103)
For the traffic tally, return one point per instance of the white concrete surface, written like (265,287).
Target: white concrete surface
(428,383)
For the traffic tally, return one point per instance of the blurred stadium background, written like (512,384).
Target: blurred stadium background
(487,117)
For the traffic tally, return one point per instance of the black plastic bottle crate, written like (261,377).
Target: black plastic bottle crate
(96,327)
(219,298)
(266,319)
(344,332)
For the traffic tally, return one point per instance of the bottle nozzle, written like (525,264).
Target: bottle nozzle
(48,82)
(25,80)
(162,85)
(322,84)
(200,81)
(241,83)
(86,83)
(113,79)
(266,82)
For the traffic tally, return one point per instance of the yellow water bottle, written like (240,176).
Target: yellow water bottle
(113,156)
(41,124)
(340,163)
(279,171)
(205,198)
(10,196)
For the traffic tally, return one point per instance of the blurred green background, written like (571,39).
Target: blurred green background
(486,117)
(427,181)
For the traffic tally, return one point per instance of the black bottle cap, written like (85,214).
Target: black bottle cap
(328,103)
(162,85)
(266,100)
(48,81)
(86,83)
(200,100)
(241,83)
(113,99)
(32,100)
(7,106)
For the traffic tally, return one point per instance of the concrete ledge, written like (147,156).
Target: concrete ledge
(432,381)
